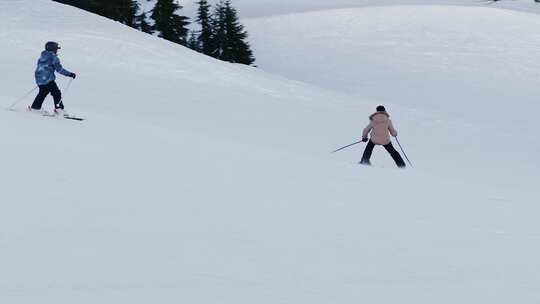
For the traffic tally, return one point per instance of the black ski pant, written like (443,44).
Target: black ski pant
(44,90)
(389,147)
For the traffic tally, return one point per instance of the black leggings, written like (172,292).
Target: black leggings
(44,90)
(395,154)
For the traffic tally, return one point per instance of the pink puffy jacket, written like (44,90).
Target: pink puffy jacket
(381,127)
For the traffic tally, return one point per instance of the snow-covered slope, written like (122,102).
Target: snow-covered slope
(262,8)
(477,63)
(198,181)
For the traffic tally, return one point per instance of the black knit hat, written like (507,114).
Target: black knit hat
(381,109)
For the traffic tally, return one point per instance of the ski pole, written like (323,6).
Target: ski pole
(347,146)
(66,88)
(404,152)
(21,99)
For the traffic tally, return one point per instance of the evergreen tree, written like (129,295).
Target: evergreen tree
(124,11)
(205,21)
(238,49)
(193,41)
(229,36)
(218,37)
(128,12)
(142,24)
(88,5)
(168,23)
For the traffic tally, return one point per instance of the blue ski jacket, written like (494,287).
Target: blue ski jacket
(48,63)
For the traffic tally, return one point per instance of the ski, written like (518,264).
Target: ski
(74,118)
(50,114)
(47,114)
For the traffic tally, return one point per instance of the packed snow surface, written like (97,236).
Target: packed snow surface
(262,8)
(198,181)
(481,64)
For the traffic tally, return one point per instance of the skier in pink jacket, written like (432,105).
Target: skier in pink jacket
(380,127)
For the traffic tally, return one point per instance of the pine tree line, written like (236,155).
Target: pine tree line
(221,35)
(168,23)
(124,11)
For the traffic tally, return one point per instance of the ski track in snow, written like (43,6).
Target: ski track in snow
(198,181)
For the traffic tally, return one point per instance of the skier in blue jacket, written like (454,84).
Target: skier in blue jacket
(47,64)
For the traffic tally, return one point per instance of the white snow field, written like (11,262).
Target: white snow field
(465,61)
(265,8)
(198,181)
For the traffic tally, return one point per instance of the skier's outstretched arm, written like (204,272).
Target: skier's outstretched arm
(391,128)
(58,68)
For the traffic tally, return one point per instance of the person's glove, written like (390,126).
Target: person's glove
(73,75)
(364,139)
